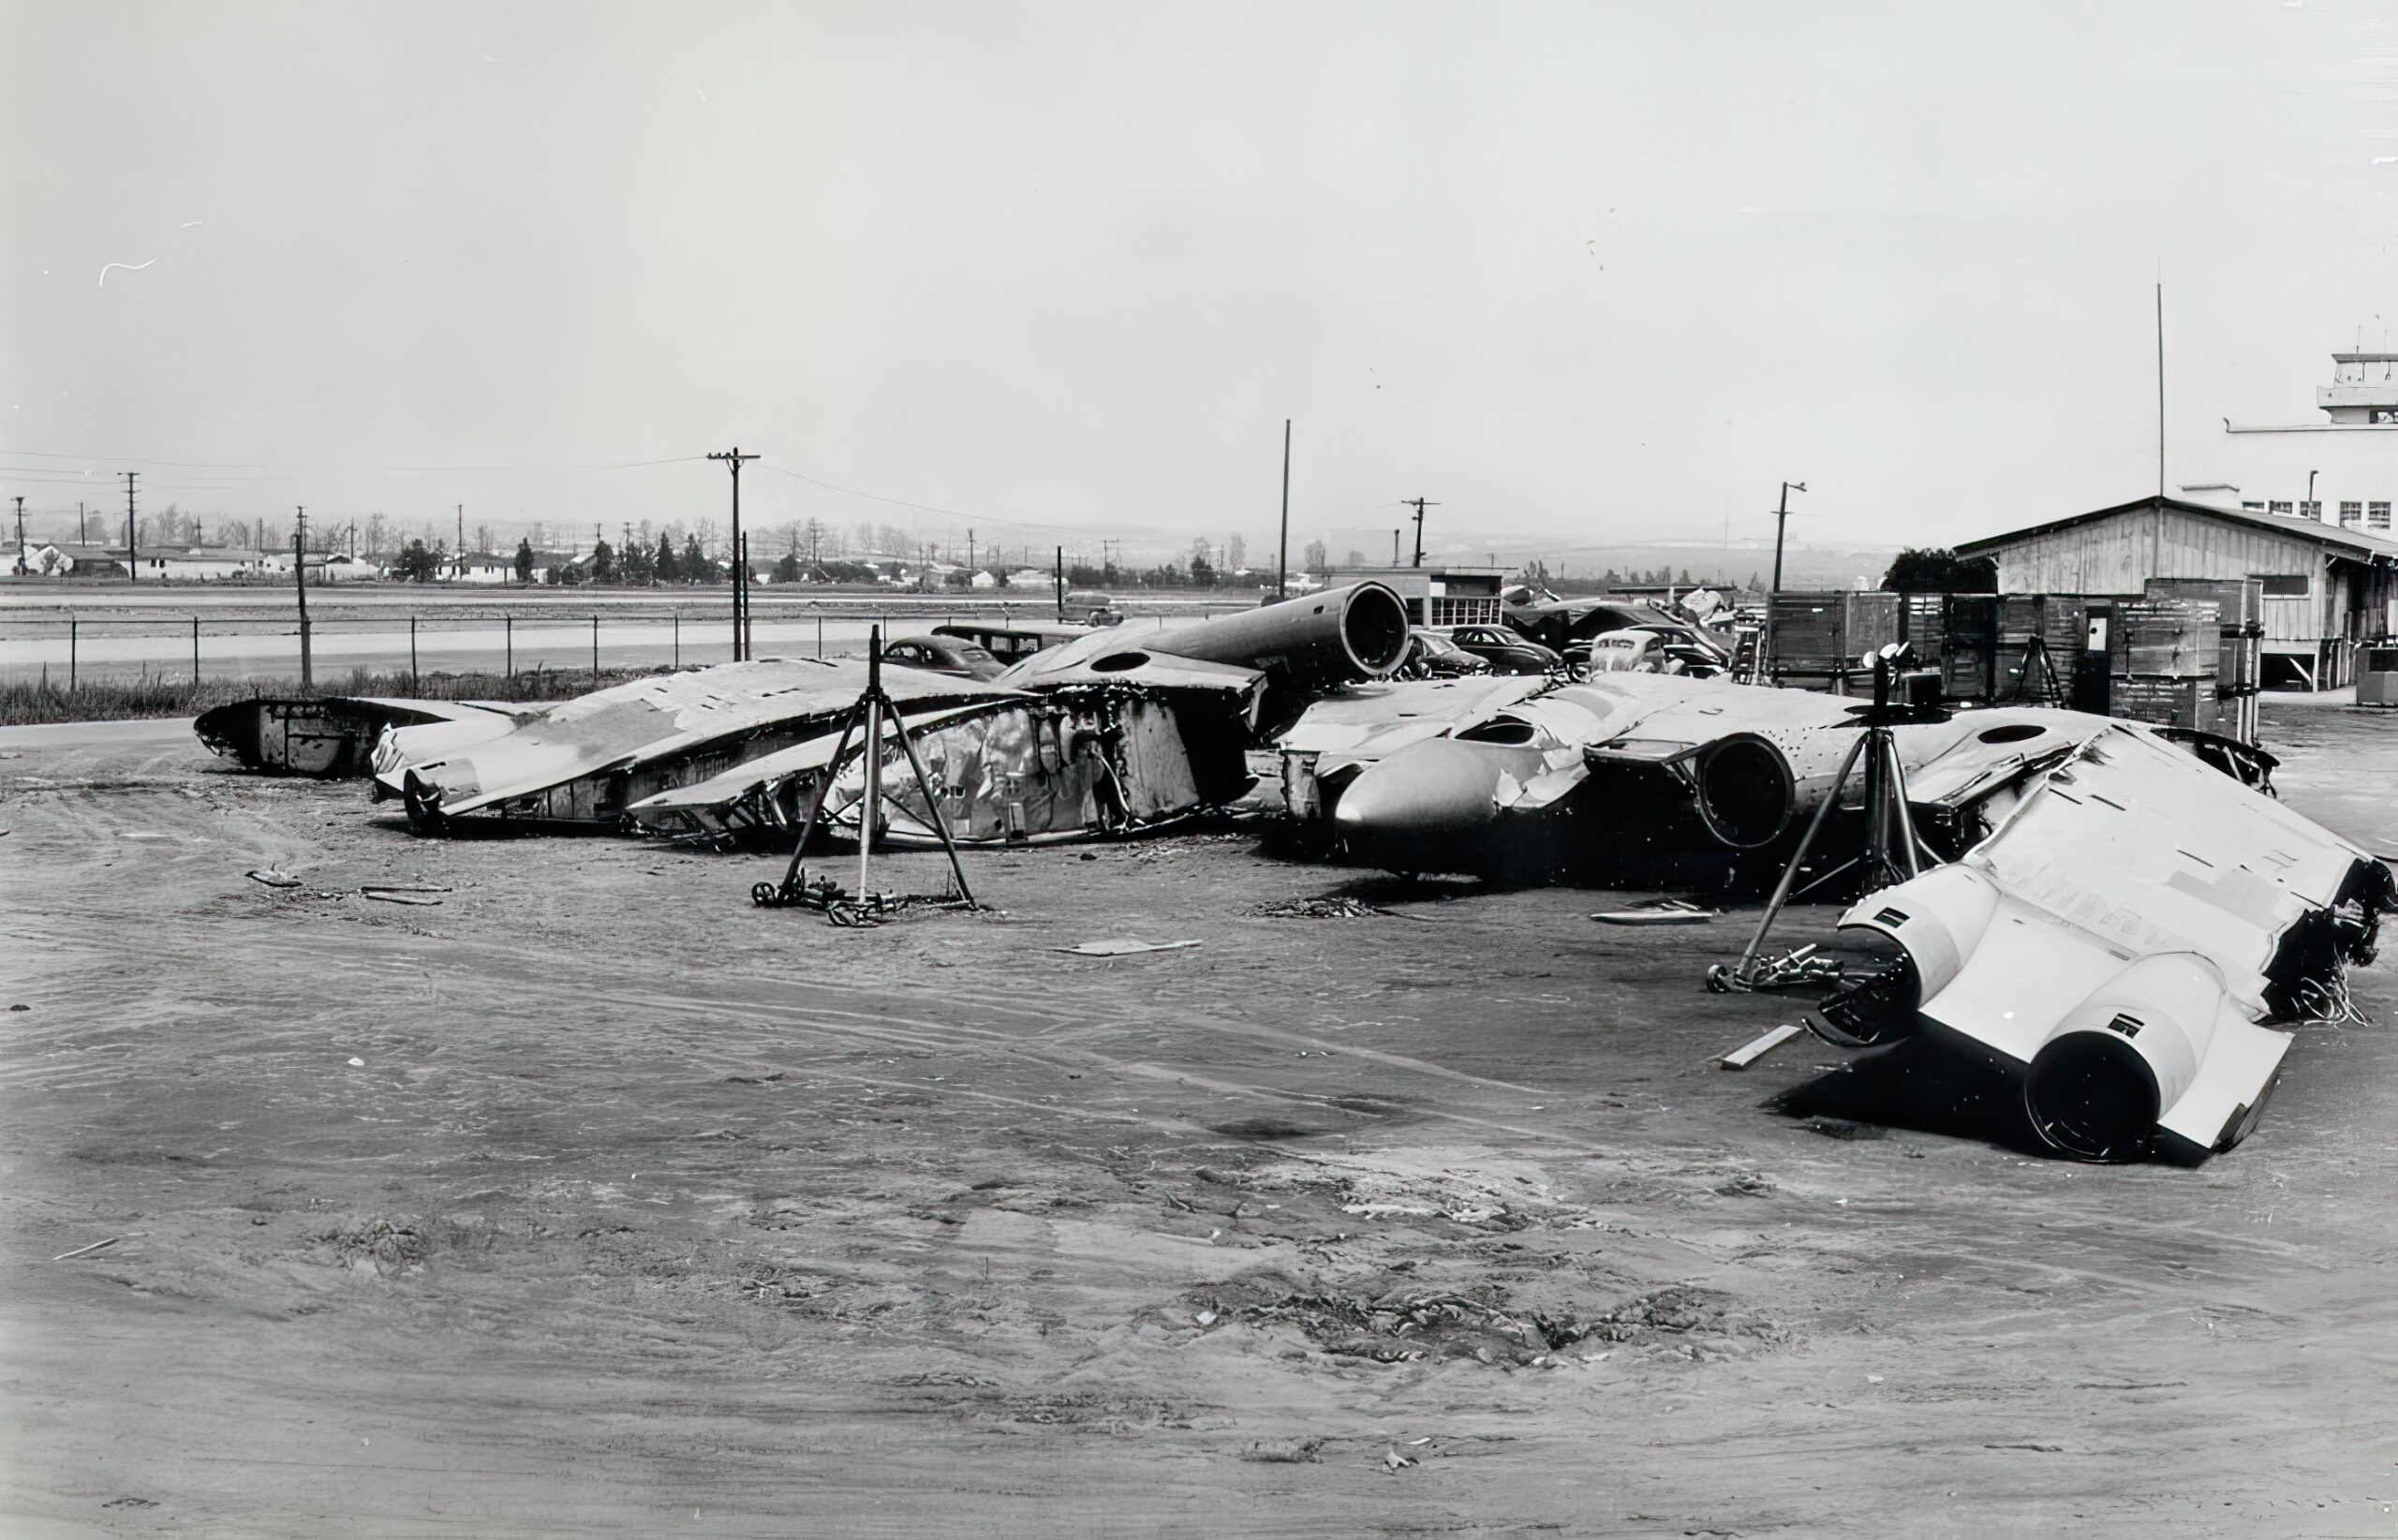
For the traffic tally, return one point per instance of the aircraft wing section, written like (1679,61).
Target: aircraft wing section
(2120,936)
(738,709)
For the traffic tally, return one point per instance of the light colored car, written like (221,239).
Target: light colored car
(1630,651)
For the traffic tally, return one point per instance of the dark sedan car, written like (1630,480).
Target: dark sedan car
(1433,656)
(943,655)
(1504,649)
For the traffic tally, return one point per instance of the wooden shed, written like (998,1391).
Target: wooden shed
(2327,589)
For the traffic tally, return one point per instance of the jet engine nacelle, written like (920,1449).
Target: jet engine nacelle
(1310,643)
(1751,787)
(2123,1058)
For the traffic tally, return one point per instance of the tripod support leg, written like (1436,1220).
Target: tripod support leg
(932,803)
(1790,873)
(816,803)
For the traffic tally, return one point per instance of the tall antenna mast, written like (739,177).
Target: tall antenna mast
(2160,388)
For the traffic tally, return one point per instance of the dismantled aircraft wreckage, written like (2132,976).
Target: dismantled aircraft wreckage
(584,761)
(1631,772)
(331,737)
(1106,735)
(2117,942)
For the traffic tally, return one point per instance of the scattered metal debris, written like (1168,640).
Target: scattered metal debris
(272,877)
(98,1246)
(1658,911)
(1749,1053)
(1124,948)
(1317,909)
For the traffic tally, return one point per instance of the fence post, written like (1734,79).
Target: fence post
(595,649)
(194,650)
(678,639)
(73,628)
(509,622)
(820,633)
(413,686)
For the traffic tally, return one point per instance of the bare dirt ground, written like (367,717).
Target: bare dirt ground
(593,1201)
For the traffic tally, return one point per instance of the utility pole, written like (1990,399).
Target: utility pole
(1420,505)
(733,460)
(1781,522)
(20,537)
(2160,388)
(1062,582)
(1394,548)
(132,549)
(458,552)
(300,585)
(1283,547)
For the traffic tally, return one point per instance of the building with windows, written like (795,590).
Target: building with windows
(2341,469)
(1442,596)
(2328,587)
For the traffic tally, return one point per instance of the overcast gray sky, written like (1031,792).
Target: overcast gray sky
(1581,272)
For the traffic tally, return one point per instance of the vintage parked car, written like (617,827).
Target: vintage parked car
(1435,656)
(943,655)
(1505,650)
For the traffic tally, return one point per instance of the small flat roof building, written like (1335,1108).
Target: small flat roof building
(1442,596)
(2328,587)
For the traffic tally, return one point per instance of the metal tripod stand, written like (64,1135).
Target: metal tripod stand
(1892,847)
(863,905)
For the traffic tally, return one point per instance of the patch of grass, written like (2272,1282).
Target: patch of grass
(100,701)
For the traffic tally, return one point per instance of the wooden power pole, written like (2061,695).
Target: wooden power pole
(1283,546)
(733,460)
(300,585)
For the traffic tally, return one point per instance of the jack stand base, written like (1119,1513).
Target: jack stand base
(840,906)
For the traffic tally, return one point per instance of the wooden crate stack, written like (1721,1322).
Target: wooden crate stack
(1819,638)
(2240,642)
(2164,655)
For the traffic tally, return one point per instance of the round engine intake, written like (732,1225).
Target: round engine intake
(1745,791)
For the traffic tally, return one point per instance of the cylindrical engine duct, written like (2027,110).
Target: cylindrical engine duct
(2123,1056)
(1311,642)
(1745,791)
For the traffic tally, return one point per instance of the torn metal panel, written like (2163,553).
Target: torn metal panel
(587,760)
(765,795)
(2119,939)
(1073,763)
(331,737)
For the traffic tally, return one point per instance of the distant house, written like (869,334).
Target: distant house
(1030,577)
(985,580)
(199,563)
(340,566)
(484,567)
